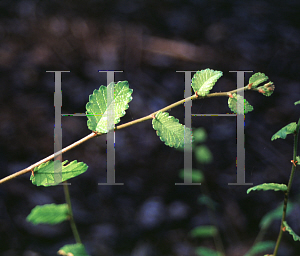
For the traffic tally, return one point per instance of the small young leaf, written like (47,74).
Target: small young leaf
(292,233)
(268,186)
(260,247)
(97,109)
(73,250)
(237,102)
(203,154)
(297,102)
(288,129)
(257,79)
(44,173)
(169,130)
(197,175)
(204,231)
(204,251)
(48,214)
(204,80)
(266,89)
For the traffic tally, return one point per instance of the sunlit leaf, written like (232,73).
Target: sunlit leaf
(97,108)
(288,129)
(48,214)
(44,174)
(169,130)
(297,102)
(204,80)
(257,79)
(269,186)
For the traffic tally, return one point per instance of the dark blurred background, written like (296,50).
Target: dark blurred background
(149,41)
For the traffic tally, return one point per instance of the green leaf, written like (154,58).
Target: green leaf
(274,214)
(73,250)
(236,104)
(44,174)
(204,251)
(298,160)
(203,154)
(197,175)
(169,130)
(292,233)
(261,247)
(257,79)
(48,214)
(297,102)
(288,129)
(204,231)
(200,135)
(204,80)
(267,89)
(97,108)
(268,186)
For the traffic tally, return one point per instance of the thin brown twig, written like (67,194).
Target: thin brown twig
(94,134)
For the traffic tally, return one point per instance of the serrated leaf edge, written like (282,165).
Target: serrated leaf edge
(103,90)
(291,231)
(166,114)
(277,187)
(284,129)
(64,165)
(216,75)
(254,84)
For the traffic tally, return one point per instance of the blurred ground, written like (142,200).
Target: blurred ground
(149,41)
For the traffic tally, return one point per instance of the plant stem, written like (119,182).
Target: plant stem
(72,222)
(94,134)
(286,194)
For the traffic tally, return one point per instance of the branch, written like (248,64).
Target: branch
(95,134)
(286,194)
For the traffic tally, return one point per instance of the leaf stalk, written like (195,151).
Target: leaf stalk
(72,222)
